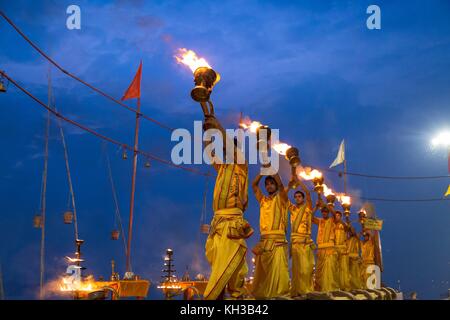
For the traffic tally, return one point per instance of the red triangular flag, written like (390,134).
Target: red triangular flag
(134,90)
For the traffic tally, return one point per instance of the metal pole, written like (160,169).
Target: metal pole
(133,184)
(43,200)
(345,176)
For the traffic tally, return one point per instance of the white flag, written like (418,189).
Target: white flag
(340,156)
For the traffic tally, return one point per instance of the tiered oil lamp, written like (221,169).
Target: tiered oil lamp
(318,183)
(292,155)
(362,215)
(345,202)
(204,78)
(329,195)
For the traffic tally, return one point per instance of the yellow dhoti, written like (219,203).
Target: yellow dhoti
(271,266)
(326,269)
(355,272)
(343,269)
(302,253)
(368,258)
(225,252)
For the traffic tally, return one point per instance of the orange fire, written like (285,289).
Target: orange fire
(343,199)
(68,285)
(190,58)
(169,286)
(310,174)
(327,191)
(252,126)
(281,148)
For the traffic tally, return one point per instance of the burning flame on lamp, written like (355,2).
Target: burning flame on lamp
(344,199)
(204,76)
(190,59)
(281,148)
(310,174)
(251,126)
(68,285)
(345,202)
(329,195)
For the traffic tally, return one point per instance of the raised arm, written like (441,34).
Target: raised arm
(281,188)
(302,186)
(319,205)
(256,190)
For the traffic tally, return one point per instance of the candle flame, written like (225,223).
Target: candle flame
(190,58)
(281,148)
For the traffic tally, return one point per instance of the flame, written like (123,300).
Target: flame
(67,284)
(250,125)
(343,199)
(74,259)
(310,175)
(190,58)
(171,286)
(327,191)
(281,148)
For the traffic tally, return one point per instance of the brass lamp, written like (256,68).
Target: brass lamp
(204,78)
(346,207)
(331,198)
(292,155)
(318,184)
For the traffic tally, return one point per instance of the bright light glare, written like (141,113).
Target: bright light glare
(442,139)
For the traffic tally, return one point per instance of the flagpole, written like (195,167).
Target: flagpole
(133,184)
(345,176)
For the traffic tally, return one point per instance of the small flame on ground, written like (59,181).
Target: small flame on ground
(281,148)
(190,58)
(170,286)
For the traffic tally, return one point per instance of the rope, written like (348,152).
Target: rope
(116,201)
(151,156)
(44,197)
(43,54)
(386,177)
(98,135)
(405,200)
(69,178)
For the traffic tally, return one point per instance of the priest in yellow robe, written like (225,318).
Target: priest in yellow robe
(302,246)
(326,253)
(271,278)
(225,246)
(354,255)
(367,254)
(340,231)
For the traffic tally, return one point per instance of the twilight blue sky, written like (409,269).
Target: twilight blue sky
(310,68)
